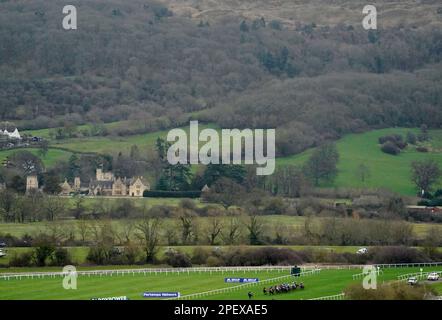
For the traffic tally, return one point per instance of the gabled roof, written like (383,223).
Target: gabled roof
(142,180)
(101,184)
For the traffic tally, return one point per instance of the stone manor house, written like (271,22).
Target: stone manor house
(104,184)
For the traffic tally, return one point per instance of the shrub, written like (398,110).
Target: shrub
(261,256)
(102,255)
(177,259)
(172,194)
(427,195)
(424,203)
(200,255)
(411,138)
(24,259)
(188,204)
(389,291)
(131,254)
(438,193)
(390,148)
(213,261)
(159,211)
(401,144)
(396,138)
(398,255)
(61,257)
(42,253)
(435,202)
(275,205)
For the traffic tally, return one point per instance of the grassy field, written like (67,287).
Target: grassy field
(327,282)
(51,158)
(269,223)
(386,171)
(19,229)
(109,144)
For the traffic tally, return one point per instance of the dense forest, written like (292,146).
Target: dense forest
(139,60)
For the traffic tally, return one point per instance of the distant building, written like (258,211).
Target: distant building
(31,183)
(104,176)
(12,135)
(106,184)
(76,187)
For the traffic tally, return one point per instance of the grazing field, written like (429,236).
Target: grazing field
(327,282)
(386,171)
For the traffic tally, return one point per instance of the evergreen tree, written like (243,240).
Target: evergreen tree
(73,167)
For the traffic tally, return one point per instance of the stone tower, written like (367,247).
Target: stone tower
(77,183)
(99,174)
(31,183)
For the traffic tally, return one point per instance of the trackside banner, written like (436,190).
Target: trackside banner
(112,298)
(161,294)
(241,280)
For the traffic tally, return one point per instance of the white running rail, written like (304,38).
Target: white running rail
(418,275)
(151,271)
(340,296)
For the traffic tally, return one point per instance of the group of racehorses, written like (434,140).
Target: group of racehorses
(282,288)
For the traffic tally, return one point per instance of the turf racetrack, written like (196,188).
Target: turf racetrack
(327,282)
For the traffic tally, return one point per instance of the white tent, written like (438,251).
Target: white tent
(15,134)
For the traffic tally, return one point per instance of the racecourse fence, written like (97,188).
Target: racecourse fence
(210,270)
(363,274)
(244,285)
(409,265)
(418,275)
(149,271)
(340,296)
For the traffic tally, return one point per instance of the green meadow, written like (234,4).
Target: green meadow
(51,158)
(386,171)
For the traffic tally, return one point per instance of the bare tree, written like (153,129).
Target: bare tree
(363,172)
(425,173)
(83,227)
(171,234)
(148,233)
(214,230)
(54,206)
(36,200)
(127,229)
(57,231)
(78,209)
(322,164)
(255,228)
(8,200)
(225,192)
(102,232)
(187,221)
(232,231)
